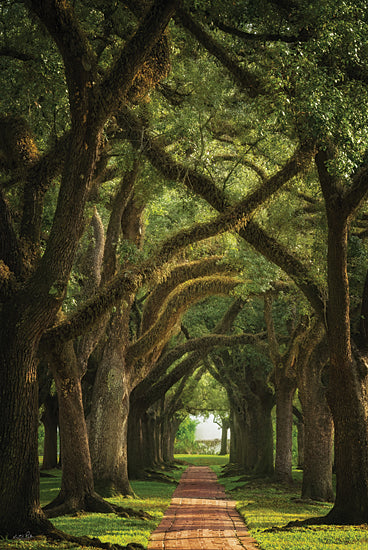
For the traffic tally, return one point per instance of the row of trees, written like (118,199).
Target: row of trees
(258,133)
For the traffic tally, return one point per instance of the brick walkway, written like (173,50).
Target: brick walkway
(201,518)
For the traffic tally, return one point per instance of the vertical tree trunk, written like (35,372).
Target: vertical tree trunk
(263,434)
(301,440)
(108,426)
(285,390)
(77,487)
(348,380)
(135,442)
(318,429)
(20,507)
(50,421)
(224,431)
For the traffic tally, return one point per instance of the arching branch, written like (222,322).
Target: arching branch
(185,295)
(178,275)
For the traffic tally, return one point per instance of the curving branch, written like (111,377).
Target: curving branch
(272,338)
(79,58)
(37,181)
(113,232)
(120,78)
(205,188)
(155,380)
(277,253)
(178,275)
(246,79)
(302,36)
(184,296)
(14,53)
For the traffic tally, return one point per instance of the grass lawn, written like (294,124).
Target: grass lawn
(204,460)
(152,497)
(262,504)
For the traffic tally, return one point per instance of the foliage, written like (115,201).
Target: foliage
(185,436)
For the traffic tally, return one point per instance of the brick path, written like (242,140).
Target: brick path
(201,518)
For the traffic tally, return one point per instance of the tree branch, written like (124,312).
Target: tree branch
(247,80)
(121,76)
(10,252)
(79,59)
(14,53)
(178,275)
(289,263)
(302,36)
(184,296)
(272,339)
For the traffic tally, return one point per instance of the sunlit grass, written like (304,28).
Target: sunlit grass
(265,505)
(204,460)
(152,497)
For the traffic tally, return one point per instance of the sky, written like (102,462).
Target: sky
(207,429)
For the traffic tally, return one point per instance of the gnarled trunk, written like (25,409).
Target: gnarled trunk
(108,423)
(20,510)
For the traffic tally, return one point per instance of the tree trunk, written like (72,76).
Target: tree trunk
(285,389)
(108,424)
(301,440)
(136,463)
(77,488)
(263,434)
(50,421)
(224,431)
(318,430)
(347,395)
(20,510)
(77,479)
(232,450)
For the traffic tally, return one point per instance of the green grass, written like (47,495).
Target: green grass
(204,460)
(264,505)
(152,497)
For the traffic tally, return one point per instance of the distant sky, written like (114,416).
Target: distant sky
(207,429)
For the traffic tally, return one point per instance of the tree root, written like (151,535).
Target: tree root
(91,503)
(334,517)
(158,476)
(56,535)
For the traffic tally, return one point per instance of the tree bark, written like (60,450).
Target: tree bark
(108,425)
(348,375)
(284,390)
(224,431)
(77,488)
(108,418)
(50,420)
(20,509)
(347,390)
(318,427)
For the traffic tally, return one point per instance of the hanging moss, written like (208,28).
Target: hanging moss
(178,301)
(18,149)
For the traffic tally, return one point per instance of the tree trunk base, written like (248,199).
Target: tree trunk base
(91,503)
(150,475)
(334,517)
(56,535)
